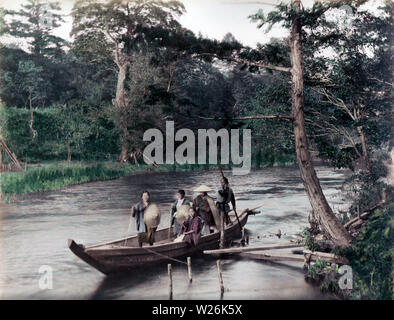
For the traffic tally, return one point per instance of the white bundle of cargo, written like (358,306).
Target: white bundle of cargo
(152,216)
(182,213)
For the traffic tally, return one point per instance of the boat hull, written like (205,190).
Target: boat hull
(124,255)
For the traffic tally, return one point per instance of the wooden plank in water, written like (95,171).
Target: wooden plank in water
(308,256)
(273,256)
(249,249)
(329,257)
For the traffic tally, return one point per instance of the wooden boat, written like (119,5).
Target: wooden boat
(124,254)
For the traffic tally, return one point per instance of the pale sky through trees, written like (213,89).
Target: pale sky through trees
(213,18)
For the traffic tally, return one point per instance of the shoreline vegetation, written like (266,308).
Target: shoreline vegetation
(93,98)
(49,176)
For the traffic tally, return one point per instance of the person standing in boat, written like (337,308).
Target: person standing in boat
(181,200)
(225,195)
(203,209)
(192,228)
(144,233)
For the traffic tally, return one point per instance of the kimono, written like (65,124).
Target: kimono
(138,214)
(195,224)
(201,206)
(144,233)
(224,197)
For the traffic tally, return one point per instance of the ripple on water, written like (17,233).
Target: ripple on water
(34,232)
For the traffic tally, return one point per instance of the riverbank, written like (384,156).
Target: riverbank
(56,175)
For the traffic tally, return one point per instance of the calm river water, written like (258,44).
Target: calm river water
(35,229)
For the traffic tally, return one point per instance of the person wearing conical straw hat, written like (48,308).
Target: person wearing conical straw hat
(202,208)
(180,201)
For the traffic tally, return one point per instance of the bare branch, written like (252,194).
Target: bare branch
(247,62)
(337,102)
(338,130)
(255,117)
(384,82)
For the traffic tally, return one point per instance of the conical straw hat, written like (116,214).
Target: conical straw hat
(203,188)
(182,213)
(152,216)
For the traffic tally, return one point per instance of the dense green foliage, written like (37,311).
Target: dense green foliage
(273,138)
(371,257)
(91,133)
(348,98)
(348,76)
(60,104)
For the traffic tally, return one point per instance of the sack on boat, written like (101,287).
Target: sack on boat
(152,216)
(182,213)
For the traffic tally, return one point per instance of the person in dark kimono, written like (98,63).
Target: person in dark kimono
(192,228)
(144,233)
(201,206)
(224,197)
(181,200)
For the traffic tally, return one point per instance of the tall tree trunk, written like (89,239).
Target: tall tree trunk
(122,60)
(1,170)
(327,219)
(120,102)
(364,147)
(120,88)
(1,158)
(33,131)
(68,151)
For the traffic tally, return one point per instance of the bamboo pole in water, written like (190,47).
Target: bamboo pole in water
(220,277)
(189,268)
(170,295)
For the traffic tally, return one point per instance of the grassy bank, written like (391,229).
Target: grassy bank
(55,175)
(51,176)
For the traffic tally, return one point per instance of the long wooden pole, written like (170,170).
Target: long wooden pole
(189,269)
(169,228)
(222,237)
(220,277)
(170,295)
(307,257)
(267,256)
(248,249)
(239,223)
